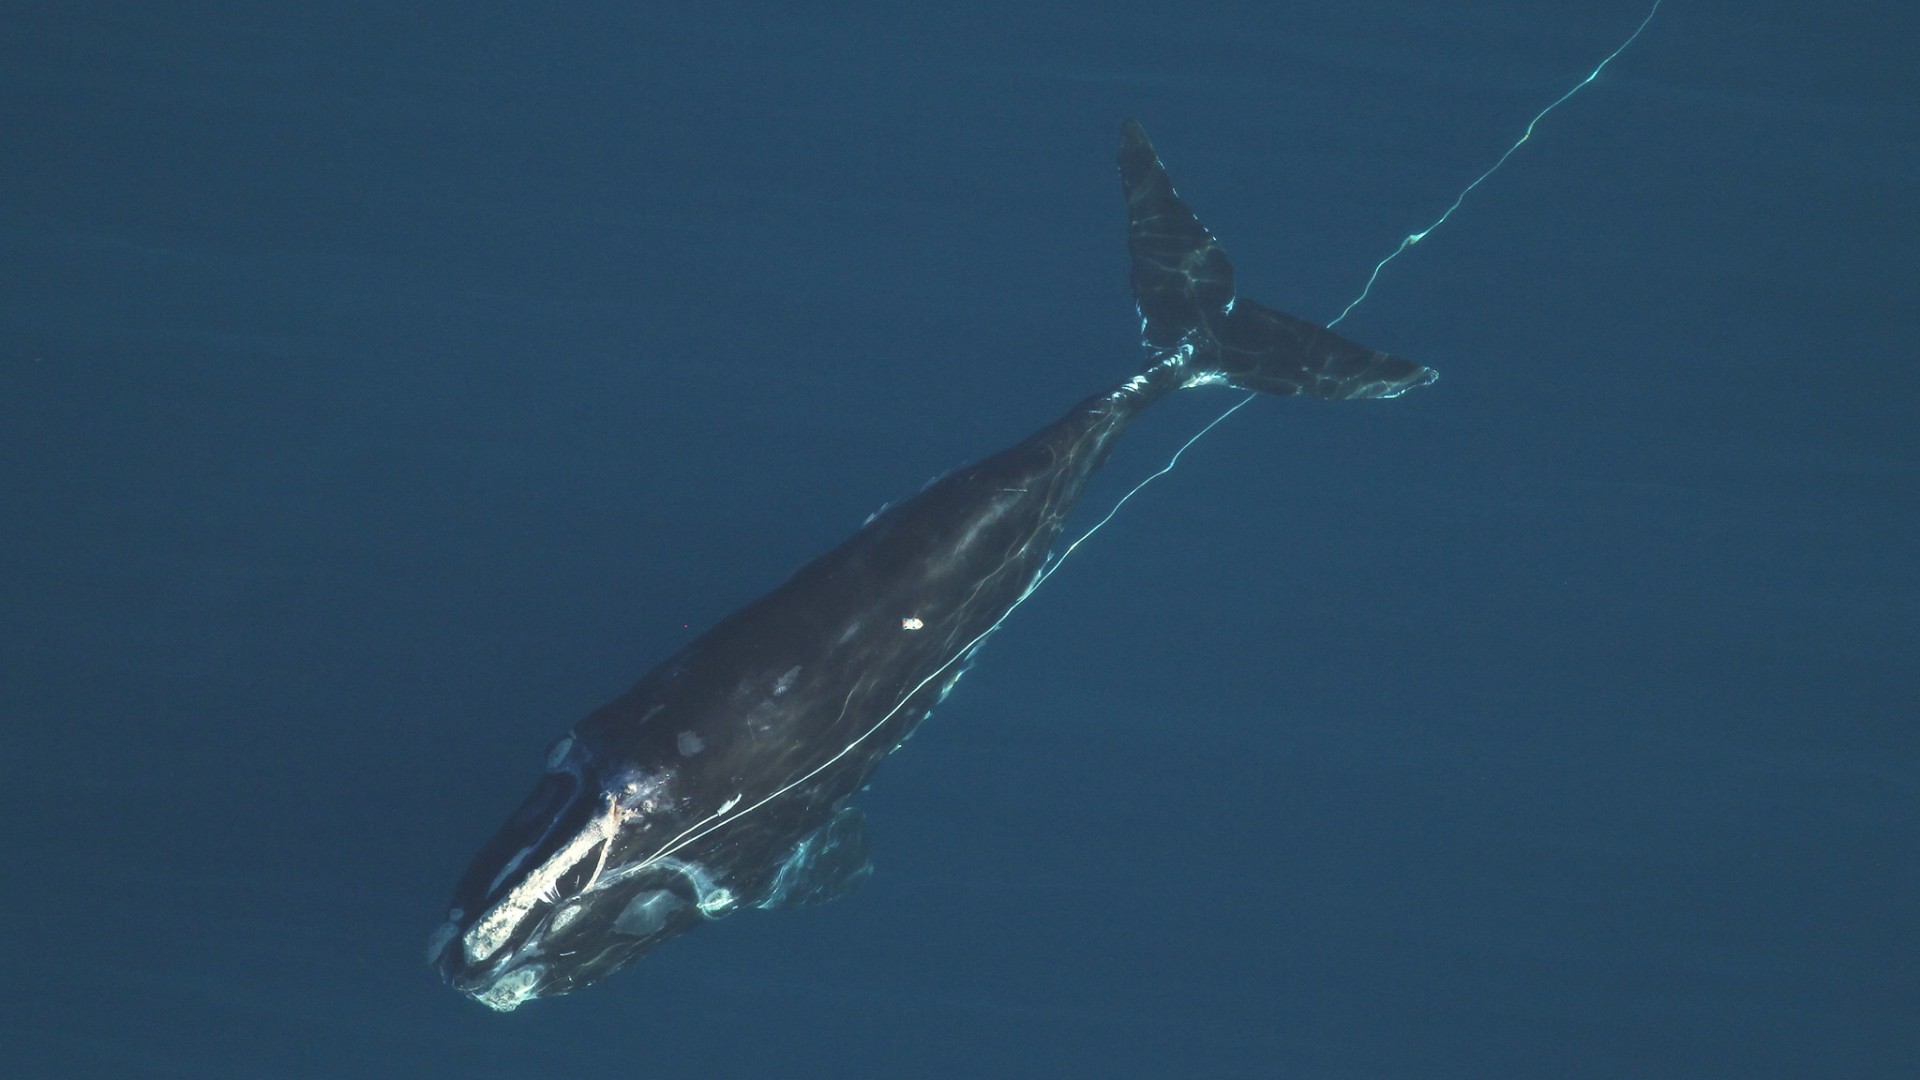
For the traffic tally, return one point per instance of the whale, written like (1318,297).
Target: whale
(725,778)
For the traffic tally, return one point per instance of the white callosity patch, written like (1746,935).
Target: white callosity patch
(636,796)
(511,989)
(498,924)
(563,917)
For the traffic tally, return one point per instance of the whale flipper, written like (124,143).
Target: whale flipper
(826,864)
(1184,288)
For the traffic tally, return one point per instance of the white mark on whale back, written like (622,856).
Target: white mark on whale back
(690,744)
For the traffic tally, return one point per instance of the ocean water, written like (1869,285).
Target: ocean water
(384,386)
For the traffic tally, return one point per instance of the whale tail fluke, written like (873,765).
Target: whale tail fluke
(1183,285)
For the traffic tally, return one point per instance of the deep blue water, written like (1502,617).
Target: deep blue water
(383,386)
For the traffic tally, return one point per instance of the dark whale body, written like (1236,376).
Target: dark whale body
(722,779)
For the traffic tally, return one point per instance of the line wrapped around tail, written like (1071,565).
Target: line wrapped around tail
(1183,285)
